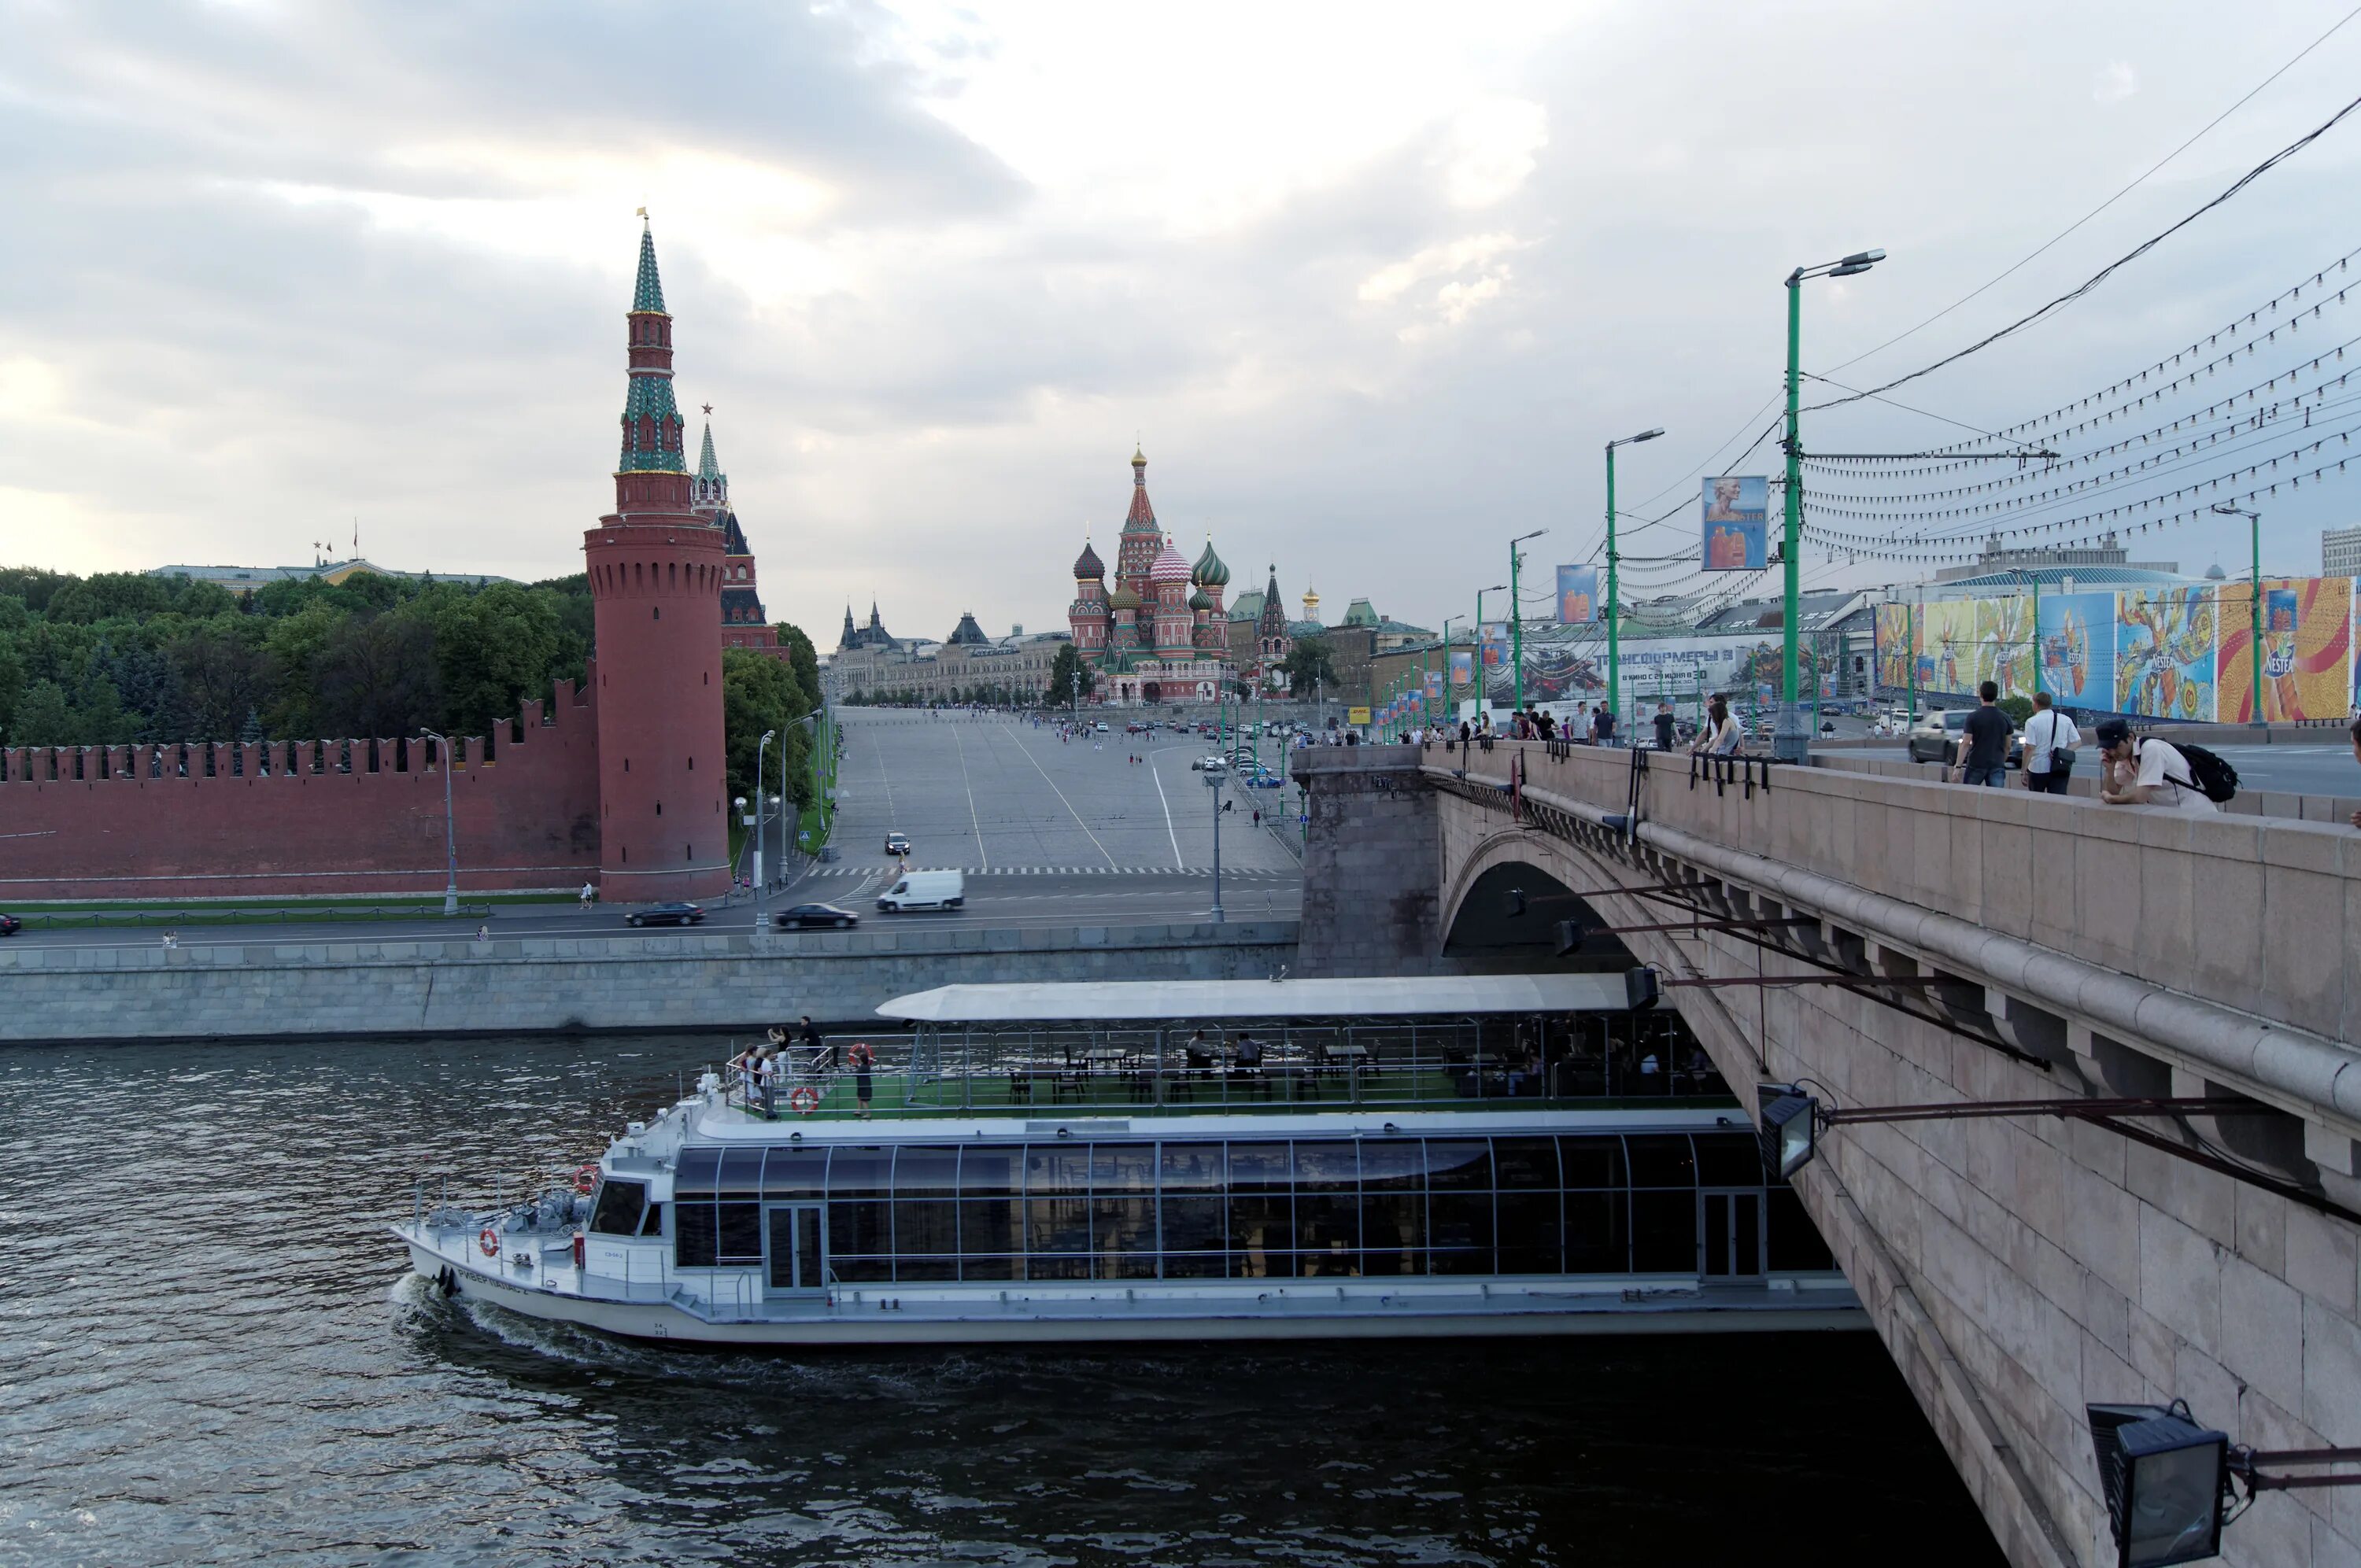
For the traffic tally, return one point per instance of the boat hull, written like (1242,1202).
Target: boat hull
(1105,1315)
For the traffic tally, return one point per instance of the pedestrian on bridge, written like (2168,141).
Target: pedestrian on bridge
(1984,760)
(2143,771)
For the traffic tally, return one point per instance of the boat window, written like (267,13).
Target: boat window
(652,1223)
(1664,1231)
(1729,1159)
(741,1174)
(795,1173)
(1459,1165)
(738,1237)
(1591,1162)
(1191,1168)
(692,1226)
(990,1173)
(859,1173)
(922,1171)
(1662,1159)
(1056,1168)
(619,1207)
(696,1174)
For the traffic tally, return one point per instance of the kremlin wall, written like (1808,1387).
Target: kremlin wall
(621,784)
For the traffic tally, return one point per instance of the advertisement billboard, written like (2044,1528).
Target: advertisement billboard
(2307,649)
(2164,652)
(1577,594)
(1357,716)
(2078,648)
(1494,635)
(1736,520)
(1463,669)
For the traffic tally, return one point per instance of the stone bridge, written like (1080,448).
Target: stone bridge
(2015,1268)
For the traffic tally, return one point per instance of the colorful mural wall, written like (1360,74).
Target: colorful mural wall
(2182,653)
(2164,654)
(2307,649)
(2078,648)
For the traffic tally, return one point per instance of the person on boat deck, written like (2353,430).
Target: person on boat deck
(862,1061)
(1195,1053)
(741,1067)
(766,1076)
(823,1056)
(1249,1053)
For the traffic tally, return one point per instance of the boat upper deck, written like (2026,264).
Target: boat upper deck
(1244,1047)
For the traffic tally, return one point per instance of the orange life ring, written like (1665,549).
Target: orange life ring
(804,1101)
(489,1241)
(585,1180)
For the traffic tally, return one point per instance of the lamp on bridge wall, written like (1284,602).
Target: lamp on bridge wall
(2171,1482)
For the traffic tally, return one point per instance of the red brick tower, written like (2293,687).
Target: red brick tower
(656,582)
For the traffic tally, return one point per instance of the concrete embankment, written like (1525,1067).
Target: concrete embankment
(687,981)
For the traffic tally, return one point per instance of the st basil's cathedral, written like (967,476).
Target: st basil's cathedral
(1161,634)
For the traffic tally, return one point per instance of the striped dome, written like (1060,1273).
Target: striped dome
(1170,568)
(1087,564)
(1210,571)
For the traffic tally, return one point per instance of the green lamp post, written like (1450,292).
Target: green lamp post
(1614,628)
(1789,743)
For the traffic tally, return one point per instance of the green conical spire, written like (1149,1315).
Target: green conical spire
(649,295)
(707,469)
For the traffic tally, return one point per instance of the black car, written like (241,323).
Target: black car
(10,924)
(804,915)
(666,914)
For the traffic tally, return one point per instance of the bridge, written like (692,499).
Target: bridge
(1928,943)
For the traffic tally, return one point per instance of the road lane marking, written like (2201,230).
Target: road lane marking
(1158,773)
(1060,795)
(973,820)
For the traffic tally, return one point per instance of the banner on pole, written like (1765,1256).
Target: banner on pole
(1737,520)
(1357,716)
(1577,594)
(1494,635)
(1463,669)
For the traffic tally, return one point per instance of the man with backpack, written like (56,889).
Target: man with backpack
(2049,741)
(2143,771)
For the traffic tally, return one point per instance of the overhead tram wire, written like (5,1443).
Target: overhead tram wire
(2152,170)
(2107,272)
(2251,319)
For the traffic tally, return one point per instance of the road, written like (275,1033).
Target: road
(1050,834)
(2325,768)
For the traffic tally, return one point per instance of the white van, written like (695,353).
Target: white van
(926,890)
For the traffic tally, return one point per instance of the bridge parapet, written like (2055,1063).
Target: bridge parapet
(2018,1268)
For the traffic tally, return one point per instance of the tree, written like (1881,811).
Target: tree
(1070,677)
(223,672)
(758,694)
(376,676)
(1308,660)
(44,716)
(492,648)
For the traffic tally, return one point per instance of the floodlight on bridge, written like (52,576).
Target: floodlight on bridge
(1639,992)
(2166,1479)
(1790,1128)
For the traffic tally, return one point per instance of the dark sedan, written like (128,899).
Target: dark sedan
(666,914)
(10,924)
(804,915)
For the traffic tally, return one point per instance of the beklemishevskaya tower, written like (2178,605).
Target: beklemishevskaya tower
(656,580)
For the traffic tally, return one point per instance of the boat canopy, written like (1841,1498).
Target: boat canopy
(1109,1001)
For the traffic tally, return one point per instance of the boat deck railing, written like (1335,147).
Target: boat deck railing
(1153,1073)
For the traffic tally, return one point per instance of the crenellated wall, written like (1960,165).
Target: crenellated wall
(283,819)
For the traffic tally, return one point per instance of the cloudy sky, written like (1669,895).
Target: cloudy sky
(1371,283)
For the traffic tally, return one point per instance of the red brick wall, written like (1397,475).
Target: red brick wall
(527,816)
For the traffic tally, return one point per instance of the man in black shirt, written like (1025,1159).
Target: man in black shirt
(1664,727)
(1984,759)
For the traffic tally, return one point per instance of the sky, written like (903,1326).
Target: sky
(1370,284)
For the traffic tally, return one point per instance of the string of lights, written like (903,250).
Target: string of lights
(2327,357)
(1887,549)
(2041,424)
(2308,404)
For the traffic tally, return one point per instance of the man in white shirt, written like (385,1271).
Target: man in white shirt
(2047,732)
(2146,771)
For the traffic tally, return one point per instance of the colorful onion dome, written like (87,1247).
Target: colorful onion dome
(1199,602)
(1122,599)
(1210,571)
(1170,568)
(1088,564)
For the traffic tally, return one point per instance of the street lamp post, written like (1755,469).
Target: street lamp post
(1483,687)
(1614,638)
(1213,785)
(1517,624)
(761,748)
(450,832)
(1788,741)
(1447,664)
(2254,596)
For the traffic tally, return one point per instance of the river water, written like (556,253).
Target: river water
(210,1352)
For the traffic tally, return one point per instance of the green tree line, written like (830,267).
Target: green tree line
(122,658)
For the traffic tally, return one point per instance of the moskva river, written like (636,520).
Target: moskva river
(210,1352)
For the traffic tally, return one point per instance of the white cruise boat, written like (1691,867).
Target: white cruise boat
(1514,1155)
